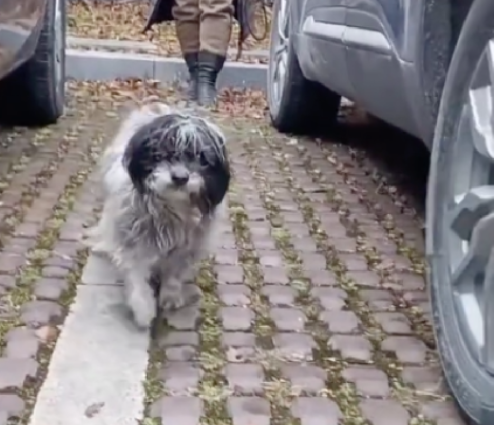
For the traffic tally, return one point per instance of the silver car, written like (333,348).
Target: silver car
(32,61)
(426,67)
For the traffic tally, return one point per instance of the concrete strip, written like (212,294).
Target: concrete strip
(99,271)
(107,66)
(129,45)
(98,43)
(96,372)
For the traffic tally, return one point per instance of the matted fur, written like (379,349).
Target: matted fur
(164,179)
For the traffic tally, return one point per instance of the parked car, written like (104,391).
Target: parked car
(32,61)
(426,67)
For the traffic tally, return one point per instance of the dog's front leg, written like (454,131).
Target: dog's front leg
(173,295)
(140,296)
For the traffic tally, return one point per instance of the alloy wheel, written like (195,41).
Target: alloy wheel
(468,216)
(59,45)
(278,58)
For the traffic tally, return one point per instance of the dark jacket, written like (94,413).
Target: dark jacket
(162,12)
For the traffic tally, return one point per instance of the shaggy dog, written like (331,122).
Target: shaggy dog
(164,179)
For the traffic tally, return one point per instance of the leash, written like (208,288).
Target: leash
(246,17)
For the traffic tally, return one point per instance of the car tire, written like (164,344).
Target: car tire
(299,105)
(39,84)
(469,381)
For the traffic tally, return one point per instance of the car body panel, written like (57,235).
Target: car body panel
(320,49)
(20,26)
(370,51)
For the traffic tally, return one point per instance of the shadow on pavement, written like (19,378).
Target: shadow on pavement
(404,160)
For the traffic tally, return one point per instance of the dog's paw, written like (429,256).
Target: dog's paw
(188,296)
(141,302)
(172,302)
(144,319)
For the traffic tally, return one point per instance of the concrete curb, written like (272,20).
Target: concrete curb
(143,47)
(107,66)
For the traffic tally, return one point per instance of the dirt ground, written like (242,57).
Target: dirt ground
(314,307)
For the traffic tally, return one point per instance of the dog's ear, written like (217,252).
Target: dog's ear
(138,159)
(216,183)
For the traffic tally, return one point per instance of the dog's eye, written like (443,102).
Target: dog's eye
(203,160)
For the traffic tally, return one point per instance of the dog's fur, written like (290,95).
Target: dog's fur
(164,180)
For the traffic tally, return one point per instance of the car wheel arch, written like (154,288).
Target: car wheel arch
(441,26)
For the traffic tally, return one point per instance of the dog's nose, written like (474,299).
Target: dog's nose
(180,179)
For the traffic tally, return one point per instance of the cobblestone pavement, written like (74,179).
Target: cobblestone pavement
(314,308)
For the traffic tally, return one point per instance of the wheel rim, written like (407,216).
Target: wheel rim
(59,45)
(278,57)
(469,214)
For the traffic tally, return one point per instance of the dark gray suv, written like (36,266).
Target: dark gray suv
(426,67)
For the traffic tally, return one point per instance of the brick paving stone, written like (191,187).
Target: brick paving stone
(308,378)
(180,378)
(395,414)
(249,410)
(393,323)
(184,319)
(50,289)
(331,299)
(15,372)
(369,381)
(21,344)
(274,276)
(437,410)
(245,379)
(378,299)
(280,296)
(295,347)
(178,410)
(234,295)
(344,322)
(365,278)
(407,349)
(311,409)
(39,312)
(352,347)
(423,378)
(288,319)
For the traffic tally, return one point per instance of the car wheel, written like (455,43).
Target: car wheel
(460,219)
(296,105)
(39,84)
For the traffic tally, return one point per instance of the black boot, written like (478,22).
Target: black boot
(210,65)
(191,60)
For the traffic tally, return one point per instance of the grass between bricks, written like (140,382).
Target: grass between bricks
(28,275)
(277,390)
(371,329)
(213,387)
(329,360)
(420,325)
(27,197)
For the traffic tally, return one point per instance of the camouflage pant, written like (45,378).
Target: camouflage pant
(203,25)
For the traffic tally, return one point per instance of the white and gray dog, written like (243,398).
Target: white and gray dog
(164,177)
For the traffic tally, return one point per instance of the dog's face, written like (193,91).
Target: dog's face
(179,157)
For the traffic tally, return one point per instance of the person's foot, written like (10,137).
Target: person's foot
(210,65)
(191,60)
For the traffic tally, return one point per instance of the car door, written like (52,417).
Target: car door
(321,51)
(380,39)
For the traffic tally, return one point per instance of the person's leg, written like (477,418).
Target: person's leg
(186,16)
(215,30)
